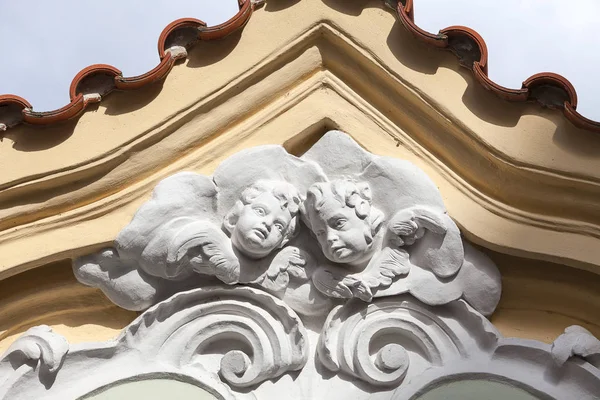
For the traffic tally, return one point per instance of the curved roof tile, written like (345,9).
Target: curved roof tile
(549,89)
(97,80)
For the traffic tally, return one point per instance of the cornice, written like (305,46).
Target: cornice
(549,89)
(306,83)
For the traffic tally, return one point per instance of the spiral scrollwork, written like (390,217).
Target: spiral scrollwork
(259,336)
(381,342)
(40,348)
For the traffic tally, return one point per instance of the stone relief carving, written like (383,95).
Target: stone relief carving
(338,274)
(255,335)
(383,230)
(240,226)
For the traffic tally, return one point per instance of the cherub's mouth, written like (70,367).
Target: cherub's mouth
(261,232)
(339,251)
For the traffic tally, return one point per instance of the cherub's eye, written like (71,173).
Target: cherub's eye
(279,226)
(260,211)
(339,223)
(320,233)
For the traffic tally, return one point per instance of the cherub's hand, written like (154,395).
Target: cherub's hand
(295,266)
(362,290)
(409,225)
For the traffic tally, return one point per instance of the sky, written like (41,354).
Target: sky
(46,43)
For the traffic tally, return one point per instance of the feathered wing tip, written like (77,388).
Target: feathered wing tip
(204,248)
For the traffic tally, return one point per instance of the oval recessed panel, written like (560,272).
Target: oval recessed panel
(477,390)
(152,389)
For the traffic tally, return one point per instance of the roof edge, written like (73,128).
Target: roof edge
(94,82)
(91,84)
(549,89)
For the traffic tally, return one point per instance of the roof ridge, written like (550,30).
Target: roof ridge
(547,88)
(173,42)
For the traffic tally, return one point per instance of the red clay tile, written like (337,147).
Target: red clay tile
(547,88)
(112,78)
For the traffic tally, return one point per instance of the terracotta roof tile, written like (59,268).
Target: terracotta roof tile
(98,80)
(547,88)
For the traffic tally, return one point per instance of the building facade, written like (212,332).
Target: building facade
(494,193)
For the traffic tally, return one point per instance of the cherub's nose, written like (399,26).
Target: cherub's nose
(332,236)
(267,222)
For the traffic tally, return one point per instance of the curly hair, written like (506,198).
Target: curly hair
(289,199)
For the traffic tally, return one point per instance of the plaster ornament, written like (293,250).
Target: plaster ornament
(395,338)
(240,226)
(576,341)
(241,343)
(362,240)
(378,224)
(39,349)
(214,337)
(383,230)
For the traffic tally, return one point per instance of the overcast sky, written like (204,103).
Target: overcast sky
(45,43)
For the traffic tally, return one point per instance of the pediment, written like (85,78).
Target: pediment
(337,273)
(496,164)
(499,220)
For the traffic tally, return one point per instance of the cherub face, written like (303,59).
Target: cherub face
(341,233)
(261,226)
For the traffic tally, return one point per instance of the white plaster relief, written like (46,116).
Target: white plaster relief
(576,341)
(338,274)
(241,335)
(385,340)
(393,235)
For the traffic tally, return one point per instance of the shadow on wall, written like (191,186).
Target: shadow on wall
(52,296)
(354,7)
(420,57)
(277,5)
(423,58)
(212,51)
(414,54)
(30,138)
(118,103)
(578,141)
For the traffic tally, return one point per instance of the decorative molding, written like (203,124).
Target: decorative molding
(314,61)
(576,341)
(395,347)
(377,226)
(261,338)
(230,268)
(370,341)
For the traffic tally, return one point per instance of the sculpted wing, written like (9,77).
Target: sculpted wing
(206,249)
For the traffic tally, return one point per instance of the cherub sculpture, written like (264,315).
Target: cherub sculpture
(383,230)
(262,220)
(368,251)
(236,226)
(380,226)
